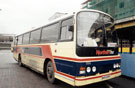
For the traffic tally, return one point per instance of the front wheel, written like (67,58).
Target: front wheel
(50,72)
(20,62)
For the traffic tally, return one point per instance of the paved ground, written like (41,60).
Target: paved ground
(13,76)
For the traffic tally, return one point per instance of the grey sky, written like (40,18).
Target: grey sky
(19,16)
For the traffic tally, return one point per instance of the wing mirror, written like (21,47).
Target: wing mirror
(70,28)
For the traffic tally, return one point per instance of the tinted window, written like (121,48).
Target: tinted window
(35,36)
(26,38)
(33,50)
(19,39)
(50,33)
(67,30)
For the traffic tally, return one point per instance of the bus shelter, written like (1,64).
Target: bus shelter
(126,42)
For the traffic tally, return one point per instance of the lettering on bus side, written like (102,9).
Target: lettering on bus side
(104,52)
(96,51)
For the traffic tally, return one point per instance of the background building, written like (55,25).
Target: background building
(123,12)
(57,15)
(119,9)
(6,40)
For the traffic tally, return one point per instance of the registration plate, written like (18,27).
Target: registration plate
(105,77)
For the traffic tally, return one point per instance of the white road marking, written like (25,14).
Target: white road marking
(108,85)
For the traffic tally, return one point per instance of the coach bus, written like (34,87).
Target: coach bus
(77,49)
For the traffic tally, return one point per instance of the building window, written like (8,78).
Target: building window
(106,10)
(121,5)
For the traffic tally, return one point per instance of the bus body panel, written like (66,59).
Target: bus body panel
(34,61)
(63,64)
(37,62)
(65,49)
(67,68)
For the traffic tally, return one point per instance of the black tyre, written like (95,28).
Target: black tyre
(50,72)
(20,62)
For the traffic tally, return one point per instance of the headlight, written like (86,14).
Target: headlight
(88,69)
(117,65)
(114,65)
(94,69)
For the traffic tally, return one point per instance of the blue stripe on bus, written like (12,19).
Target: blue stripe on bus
(73,68)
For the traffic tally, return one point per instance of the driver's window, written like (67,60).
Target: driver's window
(67,30)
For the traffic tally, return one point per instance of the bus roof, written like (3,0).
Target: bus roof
(67,16)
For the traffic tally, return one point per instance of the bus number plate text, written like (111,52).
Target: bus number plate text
(105,77)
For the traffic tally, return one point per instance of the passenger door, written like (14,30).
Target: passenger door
(65,47)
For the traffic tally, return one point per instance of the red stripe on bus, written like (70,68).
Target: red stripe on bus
(69,76)
(89,59)
(98,76)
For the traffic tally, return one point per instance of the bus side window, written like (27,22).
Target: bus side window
(67,30)
(35,36)
(66,33)
(26,38)
(50,33)
(19,40)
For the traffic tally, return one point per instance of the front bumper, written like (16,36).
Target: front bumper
(80,81)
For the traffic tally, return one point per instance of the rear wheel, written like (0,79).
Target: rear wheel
(50,72)
(19,61)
